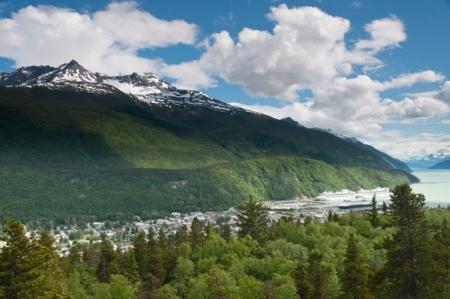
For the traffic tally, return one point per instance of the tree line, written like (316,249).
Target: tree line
(402,252)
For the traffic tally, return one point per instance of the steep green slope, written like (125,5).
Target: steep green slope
(395,163)
(116,193)
(68,153)
(45,127)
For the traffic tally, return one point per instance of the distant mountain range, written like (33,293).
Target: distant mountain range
(430,160)
(74,143)
(146,88)
(442,165)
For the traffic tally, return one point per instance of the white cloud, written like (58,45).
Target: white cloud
(410,79)
(353,106)
(105,41)
(189,74)
(421,107)
(306,48)
(405,147)
(385,33)
(444,93)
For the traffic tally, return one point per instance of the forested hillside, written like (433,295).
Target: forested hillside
(401,253)
(70,153)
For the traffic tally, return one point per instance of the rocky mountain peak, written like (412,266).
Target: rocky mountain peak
(147,87)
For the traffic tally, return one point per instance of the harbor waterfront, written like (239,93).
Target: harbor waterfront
(435,185)
(121,234)
(339,202)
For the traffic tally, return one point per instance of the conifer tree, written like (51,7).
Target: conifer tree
(50,261)
(182,236)
(301,278)
(373,213)
(162,240)
(75,254)
(197,234)
(218,285)
(28,268)
(141,253)
(407,272)
(209,230)
(128,266)
(252,220)
(108,264)
(441,257)
(225,231)
(355,277)
(149,286)
(168,257)
(155,263)
(320,277)
(16,249)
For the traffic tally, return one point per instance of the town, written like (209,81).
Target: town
(121,234)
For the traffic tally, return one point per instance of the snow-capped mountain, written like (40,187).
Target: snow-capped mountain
(431,159)
(147,88)
(440,155)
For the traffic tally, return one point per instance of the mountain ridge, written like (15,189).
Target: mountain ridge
(442,165)
(147,88)
(429,160)
(87,153)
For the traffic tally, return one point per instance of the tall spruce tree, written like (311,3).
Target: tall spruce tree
(373,213)
(28,268)
(355,276)
(155,262)
(108,263)
(407,272)
(197,234)
(441,257)
(141,253)
(320,277)
(252,220)
(384,208)
(182,236)
(128,266)
(301,277)
(225,231)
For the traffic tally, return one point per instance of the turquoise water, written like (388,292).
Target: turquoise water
(435,185)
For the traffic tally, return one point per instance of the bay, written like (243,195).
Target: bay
(435,185)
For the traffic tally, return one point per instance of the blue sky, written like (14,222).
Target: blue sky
(405,118)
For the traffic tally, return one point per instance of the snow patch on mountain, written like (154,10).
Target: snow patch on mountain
(147,88)
(440,155)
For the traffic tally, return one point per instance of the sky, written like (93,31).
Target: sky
(375,70)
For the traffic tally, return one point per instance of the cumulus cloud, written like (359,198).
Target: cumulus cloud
(405,147)
(106,41)
(444,93)
(353,106)
(407,80)
(421,107)
(305,48)
(385,33)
